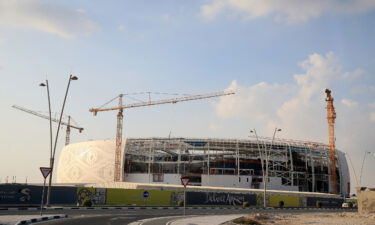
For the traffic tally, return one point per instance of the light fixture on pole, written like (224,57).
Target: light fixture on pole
(71,77)
(50,122)
(262,163)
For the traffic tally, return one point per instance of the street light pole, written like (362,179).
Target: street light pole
(50,125)
(363,162)
(351,163)
(261,160)
(71,77)
(267,157)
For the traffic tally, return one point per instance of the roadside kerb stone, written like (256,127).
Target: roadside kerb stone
(27,219)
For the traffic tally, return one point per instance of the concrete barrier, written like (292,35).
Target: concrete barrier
(366,200)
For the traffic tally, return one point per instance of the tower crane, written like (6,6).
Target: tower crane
(331,116)
(67,124)
(121,107)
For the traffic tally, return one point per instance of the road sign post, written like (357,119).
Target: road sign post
(185,181)
(146,194)
(45,172)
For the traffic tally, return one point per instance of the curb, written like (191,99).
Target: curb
(166,207)
(40,219)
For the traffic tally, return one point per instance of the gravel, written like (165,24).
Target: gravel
(347,218)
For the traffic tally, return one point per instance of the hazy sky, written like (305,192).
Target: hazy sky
(278,55)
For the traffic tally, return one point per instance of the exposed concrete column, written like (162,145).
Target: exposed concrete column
(312,171)
(238,158)
(291,165)
(149,162)
(208,163)
(307,171)
(179,157)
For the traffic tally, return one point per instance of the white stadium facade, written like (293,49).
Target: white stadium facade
(292,165)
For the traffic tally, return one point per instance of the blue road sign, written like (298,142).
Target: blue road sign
(146,194)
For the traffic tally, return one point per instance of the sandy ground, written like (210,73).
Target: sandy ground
(347,218)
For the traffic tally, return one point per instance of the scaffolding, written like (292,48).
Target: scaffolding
(304,165)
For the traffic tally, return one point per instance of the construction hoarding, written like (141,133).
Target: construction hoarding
(216,198)
(31,195)
(136,197)
(284,201)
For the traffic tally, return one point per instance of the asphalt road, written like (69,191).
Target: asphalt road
(121,217)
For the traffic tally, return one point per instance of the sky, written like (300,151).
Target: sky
(279,57)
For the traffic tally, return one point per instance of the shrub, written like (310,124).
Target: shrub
(245,204)
(87,203)
(245,220)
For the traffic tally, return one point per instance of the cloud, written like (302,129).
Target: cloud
(167,18)
(253,102)
(349,103)
(294,106)
(299,109)
(354,74)
(363,89)
(121,27)
(214,127)
(287,11)
(46,17)
(372,116)
(81,10)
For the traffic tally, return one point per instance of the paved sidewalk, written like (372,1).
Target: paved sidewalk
(205,220)
(27,219)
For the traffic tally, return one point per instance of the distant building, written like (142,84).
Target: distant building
(292,165)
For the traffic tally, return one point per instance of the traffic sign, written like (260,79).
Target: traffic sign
(185,181)
(45,171)
(146,194)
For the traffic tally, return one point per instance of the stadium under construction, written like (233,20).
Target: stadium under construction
(292,165)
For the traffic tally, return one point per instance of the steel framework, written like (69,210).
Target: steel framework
(298,164)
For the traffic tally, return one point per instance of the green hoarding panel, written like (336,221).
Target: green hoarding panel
(136,197)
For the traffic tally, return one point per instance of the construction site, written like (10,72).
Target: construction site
(262,171)
(256,163)
(292,165)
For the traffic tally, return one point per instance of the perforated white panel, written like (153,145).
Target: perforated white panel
(87,162)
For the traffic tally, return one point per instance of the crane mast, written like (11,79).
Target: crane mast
(331,116)
(67,137)
(117,172)
(67,124)
(121,107)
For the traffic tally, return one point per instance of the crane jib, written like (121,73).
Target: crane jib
(164,101)
(118,176)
